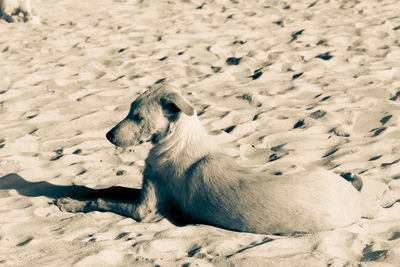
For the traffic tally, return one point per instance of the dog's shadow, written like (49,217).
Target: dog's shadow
(36,189)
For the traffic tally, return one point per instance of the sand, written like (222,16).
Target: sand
(286,87)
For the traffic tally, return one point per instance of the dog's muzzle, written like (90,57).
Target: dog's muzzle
(111,137)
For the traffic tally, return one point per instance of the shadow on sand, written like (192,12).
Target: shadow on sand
(36,189)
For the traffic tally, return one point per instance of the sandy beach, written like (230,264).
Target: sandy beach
(284,86)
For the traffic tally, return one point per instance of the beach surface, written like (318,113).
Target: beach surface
(286,87)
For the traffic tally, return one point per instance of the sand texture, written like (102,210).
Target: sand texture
(286,86)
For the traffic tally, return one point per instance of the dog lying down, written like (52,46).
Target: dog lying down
(16,10)
(185,169)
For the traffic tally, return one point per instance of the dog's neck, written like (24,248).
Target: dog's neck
(185,142)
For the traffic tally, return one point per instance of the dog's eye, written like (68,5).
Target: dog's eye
(137,118)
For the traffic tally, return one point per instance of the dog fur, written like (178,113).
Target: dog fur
(10,10)
(185,169)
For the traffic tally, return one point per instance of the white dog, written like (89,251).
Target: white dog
(11,9)
(186,170)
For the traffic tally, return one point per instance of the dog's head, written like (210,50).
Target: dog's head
(149,117)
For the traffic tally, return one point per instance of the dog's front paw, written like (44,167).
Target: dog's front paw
(71,205)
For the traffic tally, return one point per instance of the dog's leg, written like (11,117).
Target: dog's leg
(27,16)
(74,205)
(26,10)
(8,18)
(145,210)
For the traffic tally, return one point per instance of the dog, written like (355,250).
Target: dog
(11,9)
(186,170)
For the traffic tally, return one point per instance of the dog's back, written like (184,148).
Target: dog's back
(223,194)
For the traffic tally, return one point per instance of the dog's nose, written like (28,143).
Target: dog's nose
(110,136)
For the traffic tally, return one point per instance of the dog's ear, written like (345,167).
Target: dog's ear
(173,103)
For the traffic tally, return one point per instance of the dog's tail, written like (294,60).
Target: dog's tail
(354,179)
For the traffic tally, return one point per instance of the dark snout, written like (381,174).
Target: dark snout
(124,134)
(110,136)
(119,135)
